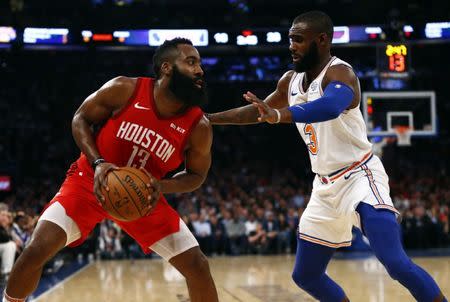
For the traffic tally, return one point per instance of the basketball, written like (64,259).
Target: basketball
(127,198)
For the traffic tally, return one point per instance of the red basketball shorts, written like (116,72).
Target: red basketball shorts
(77,197)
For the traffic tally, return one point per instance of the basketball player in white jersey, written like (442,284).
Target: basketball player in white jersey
(322,96)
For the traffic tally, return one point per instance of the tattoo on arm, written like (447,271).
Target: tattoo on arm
(238,116)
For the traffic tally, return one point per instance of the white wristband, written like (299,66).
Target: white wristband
(278,116)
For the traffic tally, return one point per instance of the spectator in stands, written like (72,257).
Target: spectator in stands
(417,227)
(260,214)
(21,230)
(257,240)
(292,219)
(7,245)
(203,233)
(284,235)
(218,235)
(192,218)
(110,246)
(250,225)
(298,200)
(235,230)
(272,229)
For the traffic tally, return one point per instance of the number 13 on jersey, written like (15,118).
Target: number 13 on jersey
(313,145)
(138,158)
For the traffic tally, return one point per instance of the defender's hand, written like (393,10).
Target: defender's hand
(154,185)
(266,114)
(100,179)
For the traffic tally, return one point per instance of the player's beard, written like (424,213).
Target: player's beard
(184,88)
(309,60)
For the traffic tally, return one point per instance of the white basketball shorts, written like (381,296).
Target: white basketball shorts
(331,211)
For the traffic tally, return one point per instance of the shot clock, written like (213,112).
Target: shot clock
(394,59)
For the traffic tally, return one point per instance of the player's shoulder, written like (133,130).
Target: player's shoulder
(204,125)
(121,82)
(285,79)
(116,92)
(340,72)
(202,134)
(339,66)
(287,76)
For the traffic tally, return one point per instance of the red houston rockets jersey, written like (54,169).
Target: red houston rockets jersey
(138,137)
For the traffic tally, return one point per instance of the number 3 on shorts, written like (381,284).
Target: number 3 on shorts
(313,145)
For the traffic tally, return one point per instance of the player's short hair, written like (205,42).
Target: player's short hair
(167,51)
(319,22)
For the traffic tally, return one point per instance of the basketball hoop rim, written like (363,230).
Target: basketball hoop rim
(403,135)
(402,129)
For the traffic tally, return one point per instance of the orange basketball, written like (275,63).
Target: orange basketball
(127,198)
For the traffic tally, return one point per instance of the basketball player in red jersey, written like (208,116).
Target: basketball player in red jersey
(153,124)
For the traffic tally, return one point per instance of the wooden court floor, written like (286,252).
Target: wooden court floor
(238,279)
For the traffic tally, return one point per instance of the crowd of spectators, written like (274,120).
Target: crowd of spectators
(249,209)
(15,233)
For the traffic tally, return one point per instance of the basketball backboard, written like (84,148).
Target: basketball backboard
(384,111)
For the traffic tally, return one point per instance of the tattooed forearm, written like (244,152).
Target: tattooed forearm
(237,116)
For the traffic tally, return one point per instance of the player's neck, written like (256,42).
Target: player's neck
(314,72)
(166,103)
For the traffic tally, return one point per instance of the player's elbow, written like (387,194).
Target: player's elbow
(79,124)
(336,107)
(199,183)
(199,179)
(334,111)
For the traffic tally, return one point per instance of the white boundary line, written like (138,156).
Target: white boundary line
(39,298)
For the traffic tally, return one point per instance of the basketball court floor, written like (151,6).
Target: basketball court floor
(238,279)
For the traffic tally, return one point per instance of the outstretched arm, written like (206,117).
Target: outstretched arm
(341,92)
(246,115)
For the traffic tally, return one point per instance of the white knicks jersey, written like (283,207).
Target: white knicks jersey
(332,144)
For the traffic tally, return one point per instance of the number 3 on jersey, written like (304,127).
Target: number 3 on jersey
(313,145)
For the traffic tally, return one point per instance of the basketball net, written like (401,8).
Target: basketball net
(403,134)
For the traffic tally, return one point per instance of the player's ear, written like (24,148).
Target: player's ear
(323,39)
(166,68)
